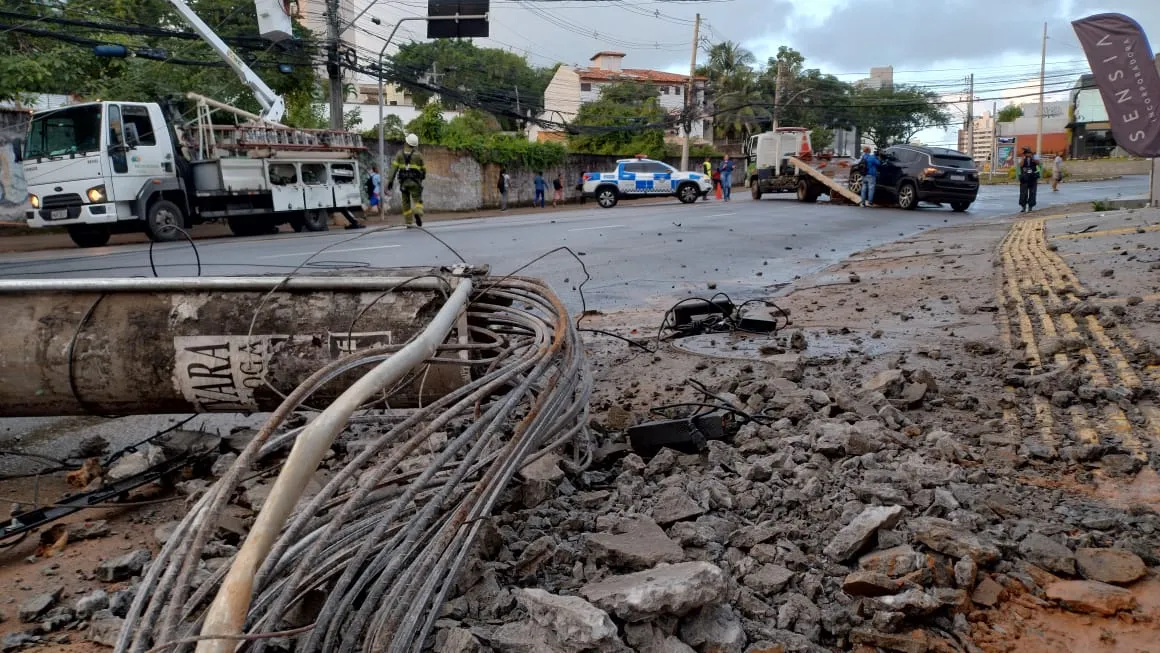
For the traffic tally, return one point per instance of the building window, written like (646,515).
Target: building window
(676,90)
(664,90)
(585,87)
(394,103)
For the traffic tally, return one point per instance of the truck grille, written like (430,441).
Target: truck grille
(60,201)
(68,203)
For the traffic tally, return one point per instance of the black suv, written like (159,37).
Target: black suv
(910,174)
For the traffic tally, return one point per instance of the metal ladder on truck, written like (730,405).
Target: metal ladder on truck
(260,138)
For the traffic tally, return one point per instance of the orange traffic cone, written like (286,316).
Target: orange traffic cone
(718,194)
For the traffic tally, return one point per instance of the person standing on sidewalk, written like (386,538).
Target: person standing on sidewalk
(541,189)
(727,177)
(558,190)
(871,162)
(503,186)
(408,166)
(1056,172)
(707,166)
(1028,181)
(375,190)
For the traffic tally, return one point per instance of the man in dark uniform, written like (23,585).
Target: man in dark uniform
(1028,181)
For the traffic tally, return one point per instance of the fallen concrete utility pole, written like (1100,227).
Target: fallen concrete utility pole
(227,614)
(236,344)
(386,547)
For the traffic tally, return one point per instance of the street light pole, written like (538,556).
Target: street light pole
(382,51)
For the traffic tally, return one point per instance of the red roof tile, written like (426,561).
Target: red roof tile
(632,75)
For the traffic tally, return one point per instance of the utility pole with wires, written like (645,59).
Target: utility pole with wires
(687,119)
(777,84)
(333,70)
(971,116)
(1042,76)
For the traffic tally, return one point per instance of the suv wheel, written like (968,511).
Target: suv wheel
(856,182)
(687,193)
(908,196)
(959,207)
(606,197)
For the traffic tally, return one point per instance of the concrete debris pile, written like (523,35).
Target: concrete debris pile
(386,522)
(865,511)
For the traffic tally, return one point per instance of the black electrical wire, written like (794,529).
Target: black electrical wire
(192,244)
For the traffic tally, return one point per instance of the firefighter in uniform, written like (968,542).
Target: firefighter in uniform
(408,166)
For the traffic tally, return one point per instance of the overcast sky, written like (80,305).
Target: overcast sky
(933,42)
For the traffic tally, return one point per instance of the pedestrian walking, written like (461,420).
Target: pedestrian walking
(408,167)
(1056,172)
(1028,181)
(558,190)
(870,163)
(503,186)
(541,189)
(374,187)
(727,177)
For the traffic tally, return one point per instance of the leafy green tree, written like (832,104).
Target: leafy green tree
(739,107)
(394,131)
(497,81)
(889,116)
(49,55)
(627,119)
(1010,112)
(429,125)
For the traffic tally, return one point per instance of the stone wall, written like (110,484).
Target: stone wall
(1107,167)
(457,182)
(13,192)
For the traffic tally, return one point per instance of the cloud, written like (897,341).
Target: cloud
(917,33)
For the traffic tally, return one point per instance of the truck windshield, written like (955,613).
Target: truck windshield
(72,130)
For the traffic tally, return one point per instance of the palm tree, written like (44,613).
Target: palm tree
(734,88)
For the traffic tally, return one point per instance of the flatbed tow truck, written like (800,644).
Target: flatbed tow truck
(783,161)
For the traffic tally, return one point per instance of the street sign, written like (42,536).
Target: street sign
(457,29)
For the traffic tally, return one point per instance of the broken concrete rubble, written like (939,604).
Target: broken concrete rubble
(570,622)
(640,543)
(856,535)
(1091,597)
(672,589)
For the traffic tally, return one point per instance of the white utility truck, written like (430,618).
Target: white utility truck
(783,161)
(114,167)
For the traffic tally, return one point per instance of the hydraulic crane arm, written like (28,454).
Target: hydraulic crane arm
(273,106)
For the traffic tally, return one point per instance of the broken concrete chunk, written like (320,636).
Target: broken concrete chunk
(641,544)
(572,622)
(90,603)
(673,505)
(869,583)
(1115,566)
(887,382)
(1091,597)
(35,607)
(104,628)
(911,602)
(674,589)
(456,640)
(714,628)
(894,562)
(856,535)
(123,567)
(949,539)
(138,462)
(1048,553)
(769,579)
(915,641)
(987,593)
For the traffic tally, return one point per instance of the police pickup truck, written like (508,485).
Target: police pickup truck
(641,177)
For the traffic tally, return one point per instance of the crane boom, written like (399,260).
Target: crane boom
(273,106)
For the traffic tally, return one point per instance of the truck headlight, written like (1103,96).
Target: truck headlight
(96,194)
(34,200)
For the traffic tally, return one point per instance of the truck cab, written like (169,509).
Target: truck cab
(94,168)
(769,170)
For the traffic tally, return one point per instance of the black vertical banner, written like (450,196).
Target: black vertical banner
(1129,83)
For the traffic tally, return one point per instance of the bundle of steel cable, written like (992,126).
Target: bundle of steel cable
(382,547)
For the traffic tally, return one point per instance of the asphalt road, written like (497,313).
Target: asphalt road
(639,256)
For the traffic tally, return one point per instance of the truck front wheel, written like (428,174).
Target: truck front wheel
(163,220)
(85,235)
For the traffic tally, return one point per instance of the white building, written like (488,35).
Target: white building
(573,86)
(984,138)
(881,77)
